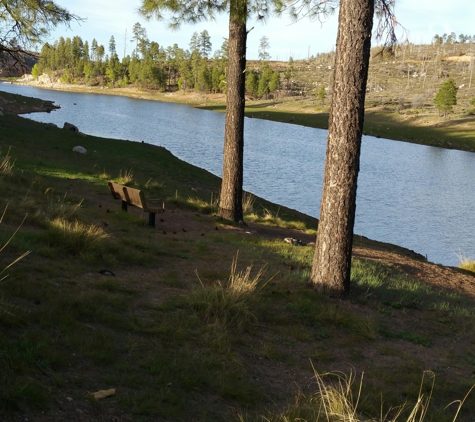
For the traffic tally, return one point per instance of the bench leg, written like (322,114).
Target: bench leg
(124,206)
(151,219)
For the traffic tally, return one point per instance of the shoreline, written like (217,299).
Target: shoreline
(187,97)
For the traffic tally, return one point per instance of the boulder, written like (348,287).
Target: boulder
(70,126)
(80,150)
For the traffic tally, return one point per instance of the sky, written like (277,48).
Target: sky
(421,19)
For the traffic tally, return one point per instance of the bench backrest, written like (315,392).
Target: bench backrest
(130,195)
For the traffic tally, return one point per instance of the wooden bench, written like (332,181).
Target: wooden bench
(135,197)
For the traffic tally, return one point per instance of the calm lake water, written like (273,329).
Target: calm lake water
(414,196)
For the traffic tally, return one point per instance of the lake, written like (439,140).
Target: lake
(415,196)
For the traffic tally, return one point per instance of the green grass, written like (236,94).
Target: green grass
(176,346)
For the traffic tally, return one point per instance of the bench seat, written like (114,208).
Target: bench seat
(136,198)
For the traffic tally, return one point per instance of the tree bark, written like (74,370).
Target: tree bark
(230,202)
(332,260)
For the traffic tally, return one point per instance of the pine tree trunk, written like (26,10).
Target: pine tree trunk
(230,203)
(332,260)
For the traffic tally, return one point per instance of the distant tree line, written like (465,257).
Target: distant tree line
(150,65)
(452,38)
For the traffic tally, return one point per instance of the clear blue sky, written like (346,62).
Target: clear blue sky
(421,18)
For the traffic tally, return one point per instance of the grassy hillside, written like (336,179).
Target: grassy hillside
(199,320)
(400,93)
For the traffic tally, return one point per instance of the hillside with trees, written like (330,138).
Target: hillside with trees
(169,68)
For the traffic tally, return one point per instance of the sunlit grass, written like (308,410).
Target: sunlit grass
(270,218)
(126,177)
(467,264)
(195,203)
(401,291)
(74,237)
(104,175)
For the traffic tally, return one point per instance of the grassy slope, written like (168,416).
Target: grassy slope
(171,354)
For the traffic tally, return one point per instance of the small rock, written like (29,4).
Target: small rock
(80,149)
(292,241)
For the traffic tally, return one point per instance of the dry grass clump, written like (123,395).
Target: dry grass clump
(60,207)
(126,178)
(74,237)
(248,200)
(337,399)
(6,164)
(230,303)
(467,264)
